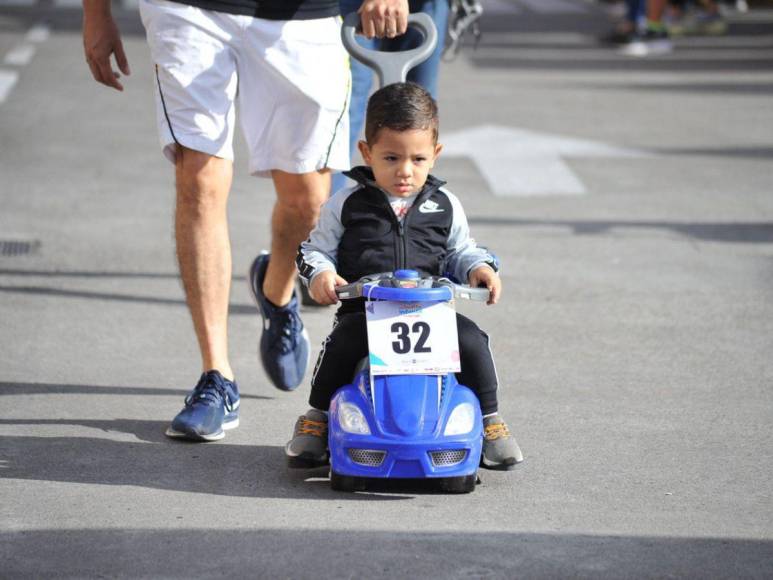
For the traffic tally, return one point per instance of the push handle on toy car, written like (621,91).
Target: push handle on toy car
(391,67)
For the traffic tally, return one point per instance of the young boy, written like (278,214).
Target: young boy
(397,217)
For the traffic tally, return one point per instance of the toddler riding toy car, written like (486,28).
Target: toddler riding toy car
(405,416)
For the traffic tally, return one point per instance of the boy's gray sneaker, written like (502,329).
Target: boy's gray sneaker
(308,447)
(500,450)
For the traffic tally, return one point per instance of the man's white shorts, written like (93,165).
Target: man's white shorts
(291,80)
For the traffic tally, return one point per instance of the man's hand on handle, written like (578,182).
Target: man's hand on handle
(383,18)
(101,39)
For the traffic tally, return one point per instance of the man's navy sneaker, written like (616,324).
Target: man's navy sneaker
(284,344)
(210,409)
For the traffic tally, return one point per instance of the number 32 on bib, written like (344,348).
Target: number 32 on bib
(410,338)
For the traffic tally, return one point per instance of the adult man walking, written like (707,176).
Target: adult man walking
(292,75)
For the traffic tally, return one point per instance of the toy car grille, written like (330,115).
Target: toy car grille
(449,457)
(367,457)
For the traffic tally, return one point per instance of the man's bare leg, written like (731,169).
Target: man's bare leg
(298,199)
(204,251)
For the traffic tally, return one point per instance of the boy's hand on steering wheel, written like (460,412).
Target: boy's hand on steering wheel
(485,277)
(383,18)
(322,287)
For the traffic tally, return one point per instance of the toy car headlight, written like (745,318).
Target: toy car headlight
(461,421)
(352,420)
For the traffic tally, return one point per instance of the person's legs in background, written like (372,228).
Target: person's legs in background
(625,30)
(426,74)
(700,18)
(654,41)
(362,80)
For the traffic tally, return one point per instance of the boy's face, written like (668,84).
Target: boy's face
(401,160)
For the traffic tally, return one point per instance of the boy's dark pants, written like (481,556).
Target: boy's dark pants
(348,344)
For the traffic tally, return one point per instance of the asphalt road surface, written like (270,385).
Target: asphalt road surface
(631,204)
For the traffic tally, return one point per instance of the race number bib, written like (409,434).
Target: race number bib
(410,338)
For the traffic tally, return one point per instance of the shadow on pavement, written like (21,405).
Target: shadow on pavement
(97,274)
(64,18)
(729,88)
(233,309)
(17,388)
(677,62)
(749,233)
(765,152)
(150,431)
(348,553)
(217,469)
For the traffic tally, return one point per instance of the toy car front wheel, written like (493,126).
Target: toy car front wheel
(346,482)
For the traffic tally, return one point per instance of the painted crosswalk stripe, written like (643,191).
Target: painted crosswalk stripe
(553,6)
(68,3)
(501,7)
(14,3)
(520,162)
(38,33)
(20,55)
(8,79)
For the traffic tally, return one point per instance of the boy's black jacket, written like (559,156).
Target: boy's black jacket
(358,234)
(375,241)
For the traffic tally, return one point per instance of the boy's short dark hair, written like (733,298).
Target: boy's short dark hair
(401,107)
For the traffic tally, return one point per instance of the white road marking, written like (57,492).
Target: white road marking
(538,6)
(516,39)
(553,6)
(517,162)
(68,3)
(13,3)
(20,55)
(500,7)
(8,79)
(38,33)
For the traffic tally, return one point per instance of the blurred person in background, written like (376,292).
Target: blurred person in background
(648,25)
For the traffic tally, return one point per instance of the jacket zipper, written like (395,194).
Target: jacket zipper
(401,229)
(401,243)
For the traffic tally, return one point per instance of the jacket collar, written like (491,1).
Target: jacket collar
(364,176)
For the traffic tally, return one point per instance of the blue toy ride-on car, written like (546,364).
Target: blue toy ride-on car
(405,416)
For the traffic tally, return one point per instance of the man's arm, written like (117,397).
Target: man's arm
(101,39)
(384,18)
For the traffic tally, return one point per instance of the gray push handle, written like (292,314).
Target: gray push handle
(391,67)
